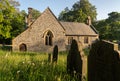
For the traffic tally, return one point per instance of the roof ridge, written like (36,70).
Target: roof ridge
(71,22)
(94,29)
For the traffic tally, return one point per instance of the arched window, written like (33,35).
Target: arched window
(23,47)
(49,38)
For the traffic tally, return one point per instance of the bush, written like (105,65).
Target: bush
(86,51)
(6,48)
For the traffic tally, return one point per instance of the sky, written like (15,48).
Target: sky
(103,7)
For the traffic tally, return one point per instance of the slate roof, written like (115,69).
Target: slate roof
(75,28)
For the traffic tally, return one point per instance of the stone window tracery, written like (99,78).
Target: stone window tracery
(49,38)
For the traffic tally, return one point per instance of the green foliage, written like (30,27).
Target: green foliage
(6,17)
(86,51)
(11,21)
(14,3)
(35,13)
(109,28)
(79,12)
(18,24)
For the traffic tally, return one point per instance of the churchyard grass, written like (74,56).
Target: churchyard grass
(16,66)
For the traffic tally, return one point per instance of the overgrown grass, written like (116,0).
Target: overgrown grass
(32,67)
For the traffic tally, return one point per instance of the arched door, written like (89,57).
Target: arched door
(23,47)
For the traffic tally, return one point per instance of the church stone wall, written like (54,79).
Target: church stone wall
(34,36)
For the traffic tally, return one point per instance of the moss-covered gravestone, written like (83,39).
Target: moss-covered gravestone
(74,62)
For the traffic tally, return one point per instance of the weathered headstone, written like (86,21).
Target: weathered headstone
(103,62)
(74,62)
(55,54)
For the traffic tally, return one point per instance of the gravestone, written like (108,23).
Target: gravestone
(104,62)
(74,61)
(55,54)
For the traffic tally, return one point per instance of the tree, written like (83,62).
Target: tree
(14,3)
(109,28)
(35,13)
(11,21)
(113,17)
(62,14)
(6,17)
(18,24)
(79,12)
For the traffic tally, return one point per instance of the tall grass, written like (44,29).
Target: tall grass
(32,67)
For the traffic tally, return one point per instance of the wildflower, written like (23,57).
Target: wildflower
(74,72)
(18,71)
(23,62)
(33,64)
(6,55)
(55,77)
(42,63)
(63,60)
(58,79)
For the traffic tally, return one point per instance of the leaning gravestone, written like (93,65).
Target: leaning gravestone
(104,62)
(74,61)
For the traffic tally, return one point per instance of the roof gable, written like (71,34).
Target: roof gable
(48,12)
(42,24)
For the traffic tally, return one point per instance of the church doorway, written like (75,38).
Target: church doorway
(23,47)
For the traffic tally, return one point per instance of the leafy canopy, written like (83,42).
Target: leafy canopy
(6,16)
(79,12)
(11,21)
(109,28)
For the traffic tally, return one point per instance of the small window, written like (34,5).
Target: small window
(49,38)
(85,39)
(70,40)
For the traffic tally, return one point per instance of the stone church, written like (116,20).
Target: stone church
(46,31)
